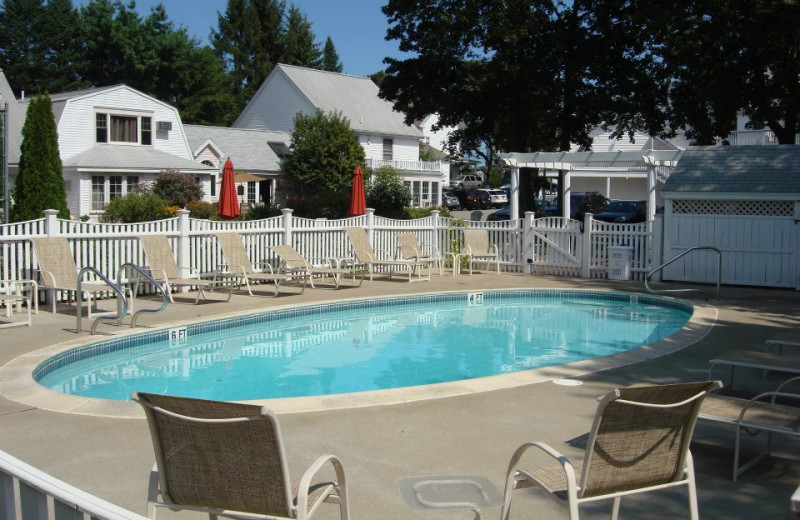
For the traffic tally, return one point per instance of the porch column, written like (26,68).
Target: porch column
(651,191)
(514,195)
(563,175)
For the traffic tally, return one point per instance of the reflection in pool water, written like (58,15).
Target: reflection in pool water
(371,348)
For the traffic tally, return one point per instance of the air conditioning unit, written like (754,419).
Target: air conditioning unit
(164,126)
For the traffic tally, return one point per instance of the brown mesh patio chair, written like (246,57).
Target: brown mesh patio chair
(163,268)
(639,442)
(409,247)
(228,459)
(365,255)
(762,413)
(292,262)
(477,249)
(58,272)
(237,264)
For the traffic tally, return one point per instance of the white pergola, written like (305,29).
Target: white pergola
(611,163)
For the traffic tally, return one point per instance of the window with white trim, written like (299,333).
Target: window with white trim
(123,128)
(105,189)
(388,152)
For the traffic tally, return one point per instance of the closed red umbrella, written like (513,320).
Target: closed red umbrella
(228,206)
(358,201)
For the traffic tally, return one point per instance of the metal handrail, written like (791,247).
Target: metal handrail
(662,266)
(150,279)
(122,302)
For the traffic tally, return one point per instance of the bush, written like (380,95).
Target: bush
(178,189)
(201,210)
(414,213)
(262,211)
(387,193)
(136,207)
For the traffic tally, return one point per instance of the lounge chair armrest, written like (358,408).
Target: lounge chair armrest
(548,450)
(47,277)
(192,272)
(432,248)
(364,255)
(265,266)
(493,249)
(383,253)
(158,275)
(11,285)
(307,479)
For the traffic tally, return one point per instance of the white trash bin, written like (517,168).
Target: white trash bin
(619,262)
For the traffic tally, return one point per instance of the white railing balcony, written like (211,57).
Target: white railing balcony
(752,138)
(407,166)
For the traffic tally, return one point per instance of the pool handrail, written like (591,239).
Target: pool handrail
(122,301)
(673,259)
(150,279)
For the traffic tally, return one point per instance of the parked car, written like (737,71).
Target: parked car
(580,203)
(472,199)
(504,213)
(624,211)
(497,198)
(450,200)
(467,182)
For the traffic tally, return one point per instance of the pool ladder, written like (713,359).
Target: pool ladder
(688,290)
(122,301)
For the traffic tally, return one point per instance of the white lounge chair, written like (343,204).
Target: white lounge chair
(292,262)
(368,257)
(409,248)
(11,294)
(237,264)
(477,248)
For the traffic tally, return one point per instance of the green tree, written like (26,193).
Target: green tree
(325,151)
(178,189)
(730,57)
(299,46)
(330,58)
(40,184)
(387,193)
(40,45)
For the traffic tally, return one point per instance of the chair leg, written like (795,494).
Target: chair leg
(615,508)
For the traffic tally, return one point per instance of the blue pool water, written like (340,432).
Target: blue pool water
(365,345)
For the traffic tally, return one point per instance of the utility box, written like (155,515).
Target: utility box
(619,262)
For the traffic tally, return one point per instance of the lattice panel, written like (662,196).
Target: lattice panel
(762,208)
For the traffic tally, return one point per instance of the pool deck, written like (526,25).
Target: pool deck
(435,430)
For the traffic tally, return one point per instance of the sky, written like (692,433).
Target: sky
(357,27)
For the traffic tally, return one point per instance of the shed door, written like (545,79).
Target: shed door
(759,241)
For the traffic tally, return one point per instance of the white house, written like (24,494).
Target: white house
(110,139)
(256,157)
(386,138)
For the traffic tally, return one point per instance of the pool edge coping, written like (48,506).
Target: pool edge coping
(17,383)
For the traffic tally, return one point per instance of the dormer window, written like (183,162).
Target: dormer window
(124,128)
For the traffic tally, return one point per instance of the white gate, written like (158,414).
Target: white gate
(759,241)
(557,246)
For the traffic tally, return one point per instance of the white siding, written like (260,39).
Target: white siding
(403,148)
(76,128)
(274,106)
(438,138)
(208,155)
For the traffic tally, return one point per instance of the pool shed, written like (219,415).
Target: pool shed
(744,200)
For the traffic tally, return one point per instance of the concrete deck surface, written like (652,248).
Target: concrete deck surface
(468,434)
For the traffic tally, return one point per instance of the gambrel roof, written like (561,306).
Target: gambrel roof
(737,169)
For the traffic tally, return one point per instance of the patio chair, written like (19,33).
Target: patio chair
(163,268)
(477,249)
(639,442)
(228,459)
(237,264)
(759,414)
(370,259)
(292,262)
(409,247)
(58,272)
(11,294)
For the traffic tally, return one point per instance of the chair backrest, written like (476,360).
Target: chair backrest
(234,252)
(408,244)
(290,257)
(476,241)
(54,256)
(640,436)
(360,243)
(220,455)
(159,256)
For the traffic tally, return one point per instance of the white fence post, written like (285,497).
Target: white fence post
(527,242)
(370,214)
(586,247)
(657,246)
(436,224)
(287,226)
(51,222)
(184,258)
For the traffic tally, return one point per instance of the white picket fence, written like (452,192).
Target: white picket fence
(550,245)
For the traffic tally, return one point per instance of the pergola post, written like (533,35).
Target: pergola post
(514,195)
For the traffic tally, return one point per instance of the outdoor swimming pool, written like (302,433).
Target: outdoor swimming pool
(363,345)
